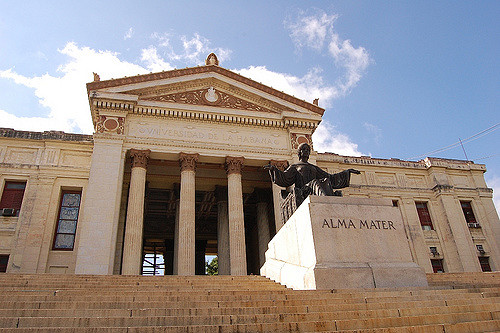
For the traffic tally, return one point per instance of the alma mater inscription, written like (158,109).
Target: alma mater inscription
(337,223)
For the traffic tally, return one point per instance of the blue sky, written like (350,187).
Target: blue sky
(398,79)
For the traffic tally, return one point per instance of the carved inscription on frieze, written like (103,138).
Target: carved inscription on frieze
(238,136)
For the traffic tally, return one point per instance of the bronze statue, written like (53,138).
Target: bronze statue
(308,178)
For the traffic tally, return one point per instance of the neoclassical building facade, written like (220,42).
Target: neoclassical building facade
(175,168)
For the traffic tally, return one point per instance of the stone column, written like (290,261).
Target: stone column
(262,228)
(236,218)
(132,244)
(222,231)
(278,221)
(185,261)
(176,238)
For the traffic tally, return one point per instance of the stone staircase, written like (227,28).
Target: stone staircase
(466,302)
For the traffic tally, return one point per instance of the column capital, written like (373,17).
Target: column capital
(140,158)
(282,165)
(234,164)
(188,161)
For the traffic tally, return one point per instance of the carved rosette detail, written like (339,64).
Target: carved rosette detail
(298,138)
(282,165)
(234,164)
(109,124)
(188,161)
(210,97)
(140,158)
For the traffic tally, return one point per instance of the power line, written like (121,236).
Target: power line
(469,139)
(483,158)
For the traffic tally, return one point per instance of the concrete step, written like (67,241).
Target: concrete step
(332,313)
(344,320)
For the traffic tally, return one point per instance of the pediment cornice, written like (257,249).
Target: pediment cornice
(210,70)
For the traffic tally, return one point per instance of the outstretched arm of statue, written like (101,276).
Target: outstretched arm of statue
(357,172)
(281,178)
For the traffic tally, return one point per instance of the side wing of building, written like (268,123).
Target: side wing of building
(43,178)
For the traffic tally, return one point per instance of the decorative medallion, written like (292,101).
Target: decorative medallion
(234,164)
(110,124)
(298,138)
(139,158)
(211,97)
(188,161)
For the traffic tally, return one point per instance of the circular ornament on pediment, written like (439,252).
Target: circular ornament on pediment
(211,95)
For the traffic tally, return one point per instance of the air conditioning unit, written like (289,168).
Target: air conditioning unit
(473,225)
(7,212)
(434,251)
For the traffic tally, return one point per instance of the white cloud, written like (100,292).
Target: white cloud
(65,95)
(308,87)
(311,30)
(153,61)
(354,60)
(494,183)
(314,30)
(327,139)
(129,33)
(375,130)
(194,49)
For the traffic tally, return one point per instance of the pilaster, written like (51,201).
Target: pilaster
(101,207)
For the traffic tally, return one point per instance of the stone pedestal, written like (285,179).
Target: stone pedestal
(333,243)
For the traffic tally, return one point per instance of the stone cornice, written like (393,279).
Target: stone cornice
(212,117)
(92,86)
(397,163)
(46,135)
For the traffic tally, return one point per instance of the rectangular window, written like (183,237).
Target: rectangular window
(437,265)
(467,209)
(12,196)
(424,216)
(69,208)
(4,259)
(485,264)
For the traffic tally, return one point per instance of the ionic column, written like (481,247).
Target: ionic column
(236,218)
(278,220)
(186,231)
(132,245)
(262,225)
(222,231)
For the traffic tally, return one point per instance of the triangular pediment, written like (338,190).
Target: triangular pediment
(207,86)
(209,92)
